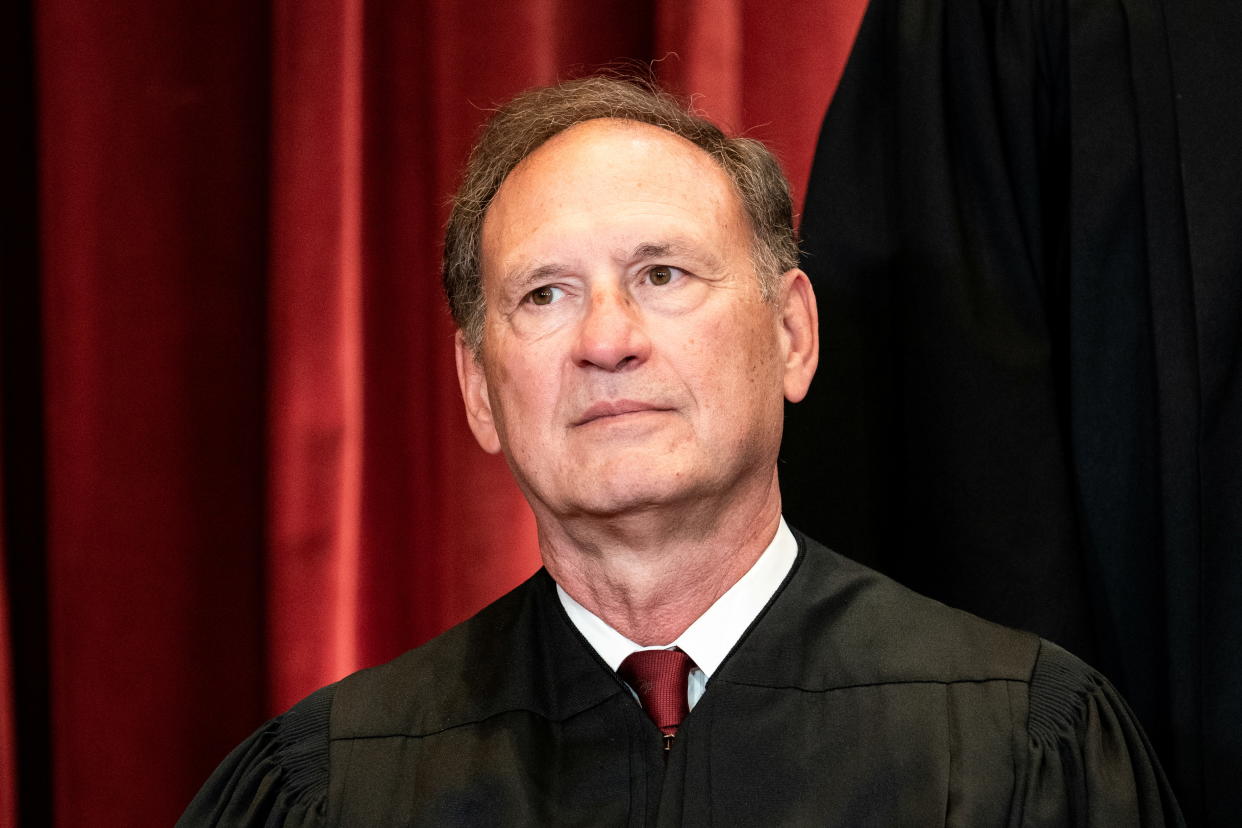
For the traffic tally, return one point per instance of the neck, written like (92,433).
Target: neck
(650,575)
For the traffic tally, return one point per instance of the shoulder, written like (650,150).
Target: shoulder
(519,655)
(1068,698)
(1089,761)
(855,626)
(278,776)
(462,675)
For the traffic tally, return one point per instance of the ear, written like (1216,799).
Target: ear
(473,382)
(799,320)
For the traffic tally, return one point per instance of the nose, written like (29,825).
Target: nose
(611,335)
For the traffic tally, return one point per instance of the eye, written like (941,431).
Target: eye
(545,295)
(660,275)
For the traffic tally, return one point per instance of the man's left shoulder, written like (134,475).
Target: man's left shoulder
(862,627)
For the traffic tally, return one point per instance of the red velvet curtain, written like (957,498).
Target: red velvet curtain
(247,472)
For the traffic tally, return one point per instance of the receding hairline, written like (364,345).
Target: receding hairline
(614,124)
(609,124)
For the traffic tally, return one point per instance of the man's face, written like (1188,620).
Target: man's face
(628,357)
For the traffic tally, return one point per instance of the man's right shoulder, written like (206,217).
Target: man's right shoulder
(279,775)
(457,677)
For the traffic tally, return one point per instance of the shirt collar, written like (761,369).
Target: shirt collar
(714,633)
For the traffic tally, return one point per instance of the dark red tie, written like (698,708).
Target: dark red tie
(659,679)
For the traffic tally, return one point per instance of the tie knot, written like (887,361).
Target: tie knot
(659,679)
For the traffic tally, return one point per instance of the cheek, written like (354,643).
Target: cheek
(724,369)
(752,343)
(755,392)
(523,398)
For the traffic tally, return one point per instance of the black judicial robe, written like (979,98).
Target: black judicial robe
(851,701)
(1024,229)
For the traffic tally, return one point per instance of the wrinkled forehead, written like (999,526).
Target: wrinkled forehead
(613,165)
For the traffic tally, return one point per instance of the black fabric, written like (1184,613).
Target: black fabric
(286,778)
(1024,229)
(850,701)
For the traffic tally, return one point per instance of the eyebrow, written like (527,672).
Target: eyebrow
(522,277)
(676,249)
(656,250)
(526,276)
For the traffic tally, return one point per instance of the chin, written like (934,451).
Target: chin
(614,504)
(620,497)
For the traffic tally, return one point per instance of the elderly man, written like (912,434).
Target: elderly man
(631,321)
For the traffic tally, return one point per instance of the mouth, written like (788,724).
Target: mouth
(616,408)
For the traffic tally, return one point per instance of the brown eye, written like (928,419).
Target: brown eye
(545,295)
(660,275)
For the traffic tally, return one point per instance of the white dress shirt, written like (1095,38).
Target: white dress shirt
(710,638)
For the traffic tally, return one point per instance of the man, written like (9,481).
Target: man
(631,320)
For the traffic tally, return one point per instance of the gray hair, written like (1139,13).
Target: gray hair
(533,117)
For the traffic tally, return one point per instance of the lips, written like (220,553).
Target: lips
(615,408)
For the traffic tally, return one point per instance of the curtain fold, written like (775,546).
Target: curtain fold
(257,473)
(317,438)
(152,236)
(1022,229)
(8,733)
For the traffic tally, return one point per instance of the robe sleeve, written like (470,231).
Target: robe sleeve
(1090,764)
(277,777)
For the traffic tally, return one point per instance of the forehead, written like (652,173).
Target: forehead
(607,177)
